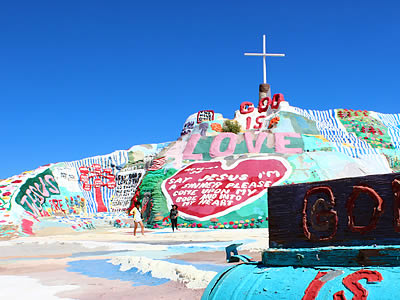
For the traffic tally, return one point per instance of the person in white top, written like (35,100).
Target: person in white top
(137,218)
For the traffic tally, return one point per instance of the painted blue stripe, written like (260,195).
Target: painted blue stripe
(117,158)
(330,128)
(100,268)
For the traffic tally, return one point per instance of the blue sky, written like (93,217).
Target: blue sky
(83,78)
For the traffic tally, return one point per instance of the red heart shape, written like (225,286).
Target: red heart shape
(204,190)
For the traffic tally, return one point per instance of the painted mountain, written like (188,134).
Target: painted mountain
(218,171)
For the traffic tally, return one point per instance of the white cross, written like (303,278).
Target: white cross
(264,55)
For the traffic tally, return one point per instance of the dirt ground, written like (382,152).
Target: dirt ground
(57,264)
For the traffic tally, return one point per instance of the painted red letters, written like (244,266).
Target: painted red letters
(378,210)
(246,107)
(396,204)
(350,282)
(276,101)
(321,209)
(315,286)
(264,104)
(324,209)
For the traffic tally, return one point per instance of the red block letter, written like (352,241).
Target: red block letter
(321,208)
(378,210)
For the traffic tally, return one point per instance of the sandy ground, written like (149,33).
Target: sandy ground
(110,263)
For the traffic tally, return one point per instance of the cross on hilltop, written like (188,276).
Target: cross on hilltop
(264,55)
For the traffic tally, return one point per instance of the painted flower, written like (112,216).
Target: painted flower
(252,224)
(235,226)
(246,224)
(215,226)
(247,221)
(216,127)
(221,226)
(236,222)
(241,221)
(259,218)
(199,225)
(226,226)
(193,225)
(225,223)
(231,223)
(240,225)
(210,227)
(252,219)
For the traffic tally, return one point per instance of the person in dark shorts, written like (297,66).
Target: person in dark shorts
(173,215)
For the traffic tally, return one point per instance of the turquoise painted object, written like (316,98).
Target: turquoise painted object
(338,224)
(334,256)
(257,281)
(363,272)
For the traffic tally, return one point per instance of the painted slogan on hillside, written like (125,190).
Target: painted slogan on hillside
(127,182)
(204,190)
(35,192)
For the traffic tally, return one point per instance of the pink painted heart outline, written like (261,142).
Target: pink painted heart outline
(221,165)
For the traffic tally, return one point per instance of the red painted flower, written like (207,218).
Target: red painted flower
(199,225)
(231,223)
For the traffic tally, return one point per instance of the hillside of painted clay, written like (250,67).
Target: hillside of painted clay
(216,177)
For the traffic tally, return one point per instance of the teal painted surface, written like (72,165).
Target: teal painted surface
(333,256)
(256,281)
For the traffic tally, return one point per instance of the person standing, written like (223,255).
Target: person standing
(137,218)
(173,215)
